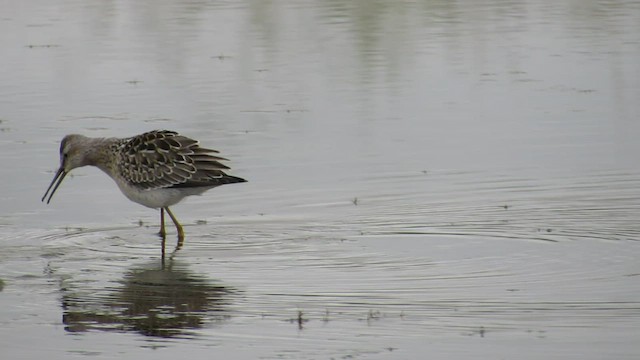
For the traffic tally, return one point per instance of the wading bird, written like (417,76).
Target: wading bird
(156,169)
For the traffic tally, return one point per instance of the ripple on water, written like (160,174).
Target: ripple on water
(433,262)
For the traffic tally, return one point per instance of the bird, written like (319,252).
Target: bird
(156,169)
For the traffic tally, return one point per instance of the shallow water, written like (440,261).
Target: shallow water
(457,179)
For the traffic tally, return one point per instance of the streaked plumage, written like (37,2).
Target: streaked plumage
(156,169)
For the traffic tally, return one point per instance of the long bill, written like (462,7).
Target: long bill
(57,180)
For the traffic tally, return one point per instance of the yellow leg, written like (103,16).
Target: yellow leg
(178,226)
(163,234)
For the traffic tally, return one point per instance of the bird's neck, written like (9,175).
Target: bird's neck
(98,152)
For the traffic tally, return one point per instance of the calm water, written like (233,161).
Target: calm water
(430,178)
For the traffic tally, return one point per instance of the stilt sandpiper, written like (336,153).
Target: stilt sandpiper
(156,169)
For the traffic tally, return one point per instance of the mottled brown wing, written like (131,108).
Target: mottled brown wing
(160,159)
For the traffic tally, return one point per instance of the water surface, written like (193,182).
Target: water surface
(457,179)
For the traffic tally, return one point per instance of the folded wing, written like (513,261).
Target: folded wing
(162,159)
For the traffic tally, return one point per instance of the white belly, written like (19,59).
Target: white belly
(158,198)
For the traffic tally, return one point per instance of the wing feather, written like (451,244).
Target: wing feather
(162,158)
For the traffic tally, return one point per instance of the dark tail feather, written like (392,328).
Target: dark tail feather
(233,179)
(217,181)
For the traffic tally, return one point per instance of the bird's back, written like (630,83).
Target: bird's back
(165,159)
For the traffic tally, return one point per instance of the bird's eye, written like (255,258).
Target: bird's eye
(65,155)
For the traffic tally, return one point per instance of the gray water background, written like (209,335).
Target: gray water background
(427,179)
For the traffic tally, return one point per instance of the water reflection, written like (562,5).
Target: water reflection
(162,299)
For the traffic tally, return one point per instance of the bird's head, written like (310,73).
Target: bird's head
(73,153)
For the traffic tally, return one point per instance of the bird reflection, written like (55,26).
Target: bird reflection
(161,299)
